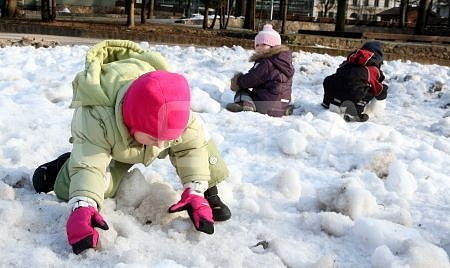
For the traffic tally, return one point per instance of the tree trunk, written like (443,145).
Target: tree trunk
(222,18)
(143,12)
(238,10)
(53,15)
(213,23)
(340,16)
(403,13)
(230,7)
(205,15)
(151,9)
(284,16)
(130,15)
(188,9)
(424,8)
(250,13)
(279,12)
(12,8)
(45,12)
(242,7)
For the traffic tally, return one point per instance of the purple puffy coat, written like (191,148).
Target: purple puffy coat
(271,80)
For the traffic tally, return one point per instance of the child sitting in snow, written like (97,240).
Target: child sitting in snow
(129,109)
(357,81)
(267,86)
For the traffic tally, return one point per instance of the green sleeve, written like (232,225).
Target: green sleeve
(190,156)
(90,154)
(195,158)
(87,167)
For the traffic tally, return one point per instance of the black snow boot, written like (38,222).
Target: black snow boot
(353,113)
(220,211)
(45,175)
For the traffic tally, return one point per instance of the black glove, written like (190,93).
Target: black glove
(383,93)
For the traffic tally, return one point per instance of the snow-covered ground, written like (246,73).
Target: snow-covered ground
(308,190)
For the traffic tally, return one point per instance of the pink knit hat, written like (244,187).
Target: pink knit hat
(158,104)
(268,36)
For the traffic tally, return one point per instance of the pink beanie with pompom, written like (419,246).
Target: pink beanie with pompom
(158,104)
(268,36)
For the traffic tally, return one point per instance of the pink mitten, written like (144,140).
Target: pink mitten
(198,209)
(80,228)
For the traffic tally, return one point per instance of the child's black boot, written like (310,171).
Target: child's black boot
(45,175)
(353,113)
(220,211)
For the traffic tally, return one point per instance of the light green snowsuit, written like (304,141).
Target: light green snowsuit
(101,140)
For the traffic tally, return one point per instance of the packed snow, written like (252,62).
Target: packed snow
(307,190)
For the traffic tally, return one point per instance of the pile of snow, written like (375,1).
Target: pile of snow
(308,190)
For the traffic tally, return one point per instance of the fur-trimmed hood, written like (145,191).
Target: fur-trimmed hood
(269,53)
(280,56)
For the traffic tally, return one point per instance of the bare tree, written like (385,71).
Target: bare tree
(340,15)
(48,10)
(222,10)
(143,4)
(284,16)
(45,10)
(228,7)
(325,6)
(240,7)
(217,4)
(250,14)
(53,10)
(213,23)
(205,14)
(151,9)
(424,9)
(129,9)
(188,9)
(9,8)
(403,13)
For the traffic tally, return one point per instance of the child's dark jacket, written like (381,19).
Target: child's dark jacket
(271,80)
(357,79)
